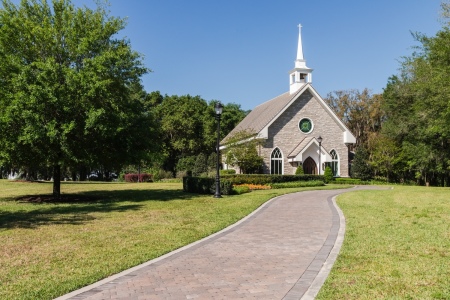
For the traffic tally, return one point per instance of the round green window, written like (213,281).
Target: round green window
(305,125)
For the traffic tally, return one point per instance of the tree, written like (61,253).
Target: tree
(69,87)
(361,168)
(417,105)
(385,155)
(360,111)
(181,119)
(241,150)
(232,114)
(189,126)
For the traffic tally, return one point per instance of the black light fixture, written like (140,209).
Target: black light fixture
(218,108)
(319,139)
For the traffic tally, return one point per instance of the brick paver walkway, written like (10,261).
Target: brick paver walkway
(275,253)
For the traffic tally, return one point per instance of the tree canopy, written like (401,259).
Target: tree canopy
(360,111)
(189,127)
(417,105)
(69,88)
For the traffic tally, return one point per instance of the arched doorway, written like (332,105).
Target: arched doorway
(309,166)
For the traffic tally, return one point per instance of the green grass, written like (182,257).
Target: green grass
(49,249)
(396,246)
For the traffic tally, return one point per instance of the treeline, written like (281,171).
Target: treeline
(403,135)
(187,133)
(182,132)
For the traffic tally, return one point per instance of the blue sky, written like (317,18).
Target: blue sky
(242,50)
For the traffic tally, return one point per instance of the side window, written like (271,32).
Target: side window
(334,162)
(276,162)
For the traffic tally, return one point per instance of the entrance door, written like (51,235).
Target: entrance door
(309,166)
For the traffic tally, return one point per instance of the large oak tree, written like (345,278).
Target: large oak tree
(68,87)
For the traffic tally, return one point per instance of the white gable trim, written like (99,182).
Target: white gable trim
(348,137)
(325,156)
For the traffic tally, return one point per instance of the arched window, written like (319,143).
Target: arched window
(334,162)
(276,162)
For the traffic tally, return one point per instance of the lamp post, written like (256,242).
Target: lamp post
(218,108)
(319,139)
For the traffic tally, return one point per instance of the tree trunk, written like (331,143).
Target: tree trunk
(83,173)
(57,181)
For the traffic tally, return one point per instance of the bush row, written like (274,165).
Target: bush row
(227,172)
(296,184)
(351,181)
(268,179)
(206,185)
(143,177)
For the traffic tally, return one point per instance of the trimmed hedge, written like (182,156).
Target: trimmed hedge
(143,177)
(267,178)
(241,189)
(297,184)
(206,185)
(227,172)
(354,181)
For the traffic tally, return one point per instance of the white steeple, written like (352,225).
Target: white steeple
(301,74)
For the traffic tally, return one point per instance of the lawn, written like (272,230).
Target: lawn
(396,246)
(49,249)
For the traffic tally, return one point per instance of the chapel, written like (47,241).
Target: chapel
(298,128)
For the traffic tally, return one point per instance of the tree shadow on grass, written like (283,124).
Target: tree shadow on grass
(132,195)
(77,209)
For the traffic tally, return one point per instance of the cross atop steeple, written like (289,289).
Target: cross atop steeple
(301,74)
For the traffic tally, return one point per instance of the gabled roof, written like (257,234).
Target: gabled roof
(262,116)
(300,146)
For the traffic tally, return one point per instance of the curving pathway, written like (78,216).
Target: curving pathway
(283,250)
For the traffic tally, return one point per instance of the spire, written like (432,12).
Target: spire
(299,47)
(301,74)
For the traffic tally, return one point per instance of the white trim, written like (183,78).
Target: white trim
(222,147)
(325,155)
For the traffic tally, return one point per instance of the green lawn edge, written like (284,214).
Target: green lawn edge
(396,245)
(51,249)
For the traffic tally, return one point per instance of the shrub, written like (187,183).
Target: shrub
(328,174)
(299,170)
(186,163)
(162,174)
(143,177)
(354,181)
(227,172)
(200,165)
(181,174)
(296,184)
(265,179)
(206,185)
(241,189)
